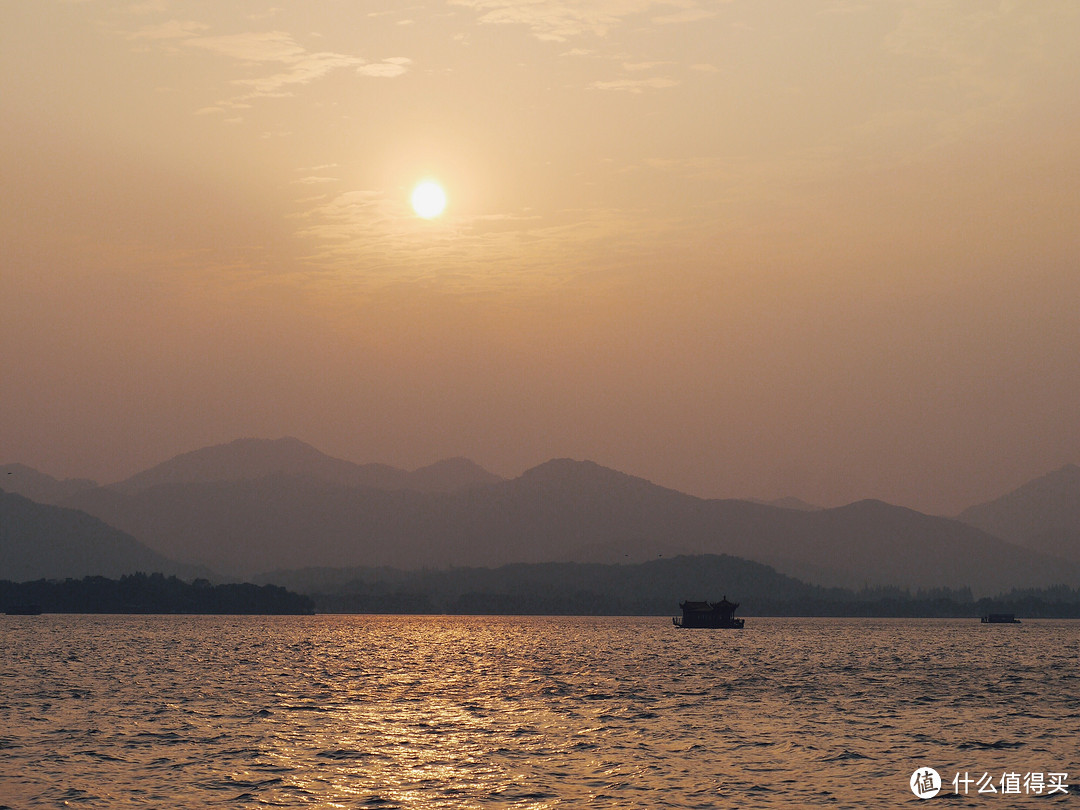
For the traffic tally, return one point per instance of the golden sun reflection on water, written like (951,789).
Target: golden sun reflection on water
(449,712)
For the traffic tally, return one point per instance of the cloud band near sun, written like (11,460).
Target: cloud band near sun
(280,62)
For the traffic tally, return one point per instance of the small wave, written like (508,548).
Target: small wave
(343,753)
(250,783)
(999,745)
(156,738)
(76,795)
(99,755)
(241,752)
(754,744)
(379,802)
(535,795)
(844,756)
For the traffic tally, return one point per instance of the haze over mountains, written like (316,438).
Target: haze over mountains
(251,459)
(1043,514)
(253,505)
(39,486)
(38,541)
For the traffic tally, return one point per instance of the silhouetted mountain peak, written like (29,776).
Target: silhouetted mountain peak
(1056,490)
(1043,514)
(1069,475)
(247,459)
(41,541)
(871,506)
(568,470)
(872,510)
(253,459)
(273,454)
(555,466)
(39,486)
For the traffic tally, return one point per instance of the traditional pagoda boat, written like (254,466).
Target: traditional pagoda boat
(710,615)
(1000,618)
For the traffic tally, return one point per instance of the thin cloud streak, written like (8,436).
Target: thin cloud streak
(560,21)
(635,85)
(253,49)
(828,252)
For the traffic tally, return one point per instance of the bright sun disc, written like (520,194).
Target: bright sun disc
(428,199)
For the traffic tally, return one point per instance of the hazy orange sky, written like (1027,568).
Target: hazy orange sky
(818,248)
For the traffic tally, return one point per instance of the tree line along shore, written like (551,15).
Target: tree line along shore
(463,592)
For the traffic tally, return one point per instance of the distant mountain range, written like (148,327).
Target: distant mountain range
(252,459)
(38,541)
(39,486)
(254,505)
(1043,515)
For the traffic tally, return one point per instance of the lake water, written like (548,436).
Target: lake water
(458,712)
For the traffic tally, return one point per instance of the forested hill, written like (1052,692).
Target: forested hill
(153,593)
(648,589)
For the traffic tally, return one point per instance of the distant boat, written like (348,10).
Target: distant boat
(1000,618)
(710,615)
(23,610)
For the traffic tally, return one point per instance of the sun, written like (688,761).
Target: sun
(428,199)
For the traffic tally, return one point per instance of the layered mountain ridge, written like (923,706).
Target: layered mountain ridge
(255,505)
(39,541)
(1043,514)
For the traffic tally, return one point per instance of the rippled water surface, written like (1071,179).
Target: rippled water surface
(426,712)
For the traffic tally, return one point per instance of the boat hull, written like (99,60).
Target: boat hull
(734,624)
(1000,618)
